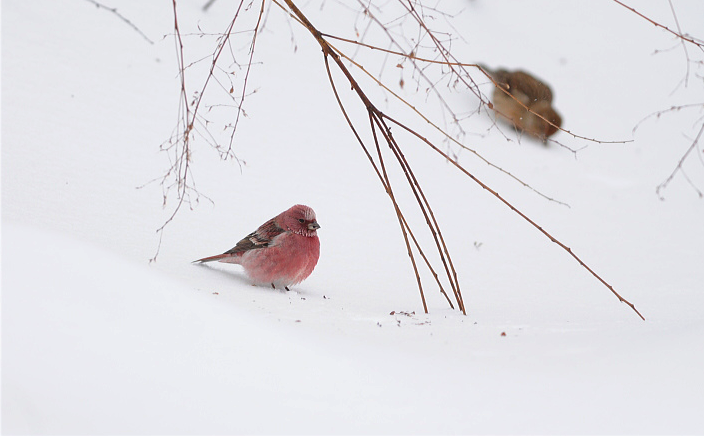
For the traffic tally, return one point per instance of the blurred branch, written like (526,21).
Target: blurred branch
(658,114)
(697,42)
(121,17)
(452,63)
(679,168)
(208,5)
(683,40)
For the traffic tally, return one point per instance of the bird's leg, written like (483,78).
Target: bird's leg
(272,285)
(286,287)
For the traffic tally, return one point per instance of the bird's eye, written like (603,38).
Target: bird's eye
(301,220)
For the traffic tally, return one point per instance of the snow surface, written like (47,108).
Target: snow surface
(97,340)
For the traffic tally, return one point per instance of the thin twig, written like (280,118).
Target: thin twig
(399,214)
(181,165)
(179,146)
(246,77)
(521,214)
(122,17)
(684,46)
(426,210)
(679,168)
(387,188)
(697,43)
(658,114)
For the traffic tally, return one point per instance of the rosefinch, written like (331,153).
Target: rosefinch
(283,251)
(534,94)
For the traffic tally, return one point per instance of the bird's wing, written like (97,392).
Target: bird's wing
(260,238)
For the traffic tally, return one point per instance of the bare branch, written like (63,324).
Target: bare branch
(679,168)
(696,42)
(191,122)
(246,78)
(521,214)
(121,17)
(682,41)
(387,187)
(658,114)
(376,117)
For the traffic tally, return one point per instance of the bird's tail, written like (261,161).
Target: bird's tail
(219,257)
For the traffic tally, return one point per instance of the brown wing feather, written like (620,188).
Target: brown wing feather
(259,238)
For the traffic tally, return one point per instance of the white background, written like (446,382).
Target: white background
(95,339)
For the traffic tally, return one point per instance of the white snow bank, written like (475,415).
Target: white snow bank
(94,344)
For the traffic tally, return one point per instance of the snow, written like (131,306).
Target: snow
(95,339)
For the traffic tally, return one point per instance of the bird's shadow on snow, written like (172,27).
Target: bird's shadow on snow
(243,279)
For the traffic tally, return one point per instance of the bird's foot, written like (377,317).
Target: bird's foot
(285,287)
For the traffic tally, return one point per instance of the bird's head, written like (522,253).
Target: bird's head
(300,219)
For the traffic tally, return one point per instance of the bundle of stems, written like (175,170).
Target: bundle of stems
(381,147)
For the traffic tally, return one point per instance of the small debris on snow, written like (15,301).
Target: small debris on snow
(401,312)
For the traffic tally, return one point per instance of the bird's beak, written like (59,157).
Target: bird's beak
(313,226)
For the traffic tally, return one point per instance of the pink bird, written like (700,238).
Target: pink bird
(283,251)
